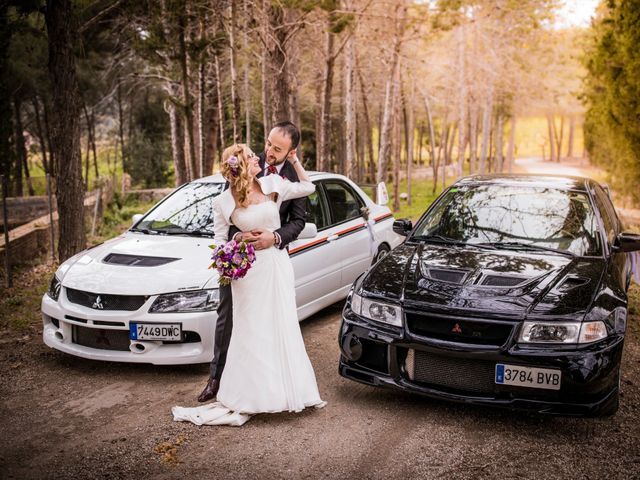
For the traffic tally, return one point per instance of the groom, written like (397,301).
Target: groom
(281,144)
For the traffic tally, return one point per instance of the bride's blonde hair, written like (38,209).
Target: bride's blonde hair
(235,168)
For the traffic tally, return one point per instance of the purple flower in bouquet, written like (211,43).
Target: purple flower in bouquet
(232,260)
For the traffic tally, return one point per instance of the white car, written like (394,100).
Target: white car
(148,296)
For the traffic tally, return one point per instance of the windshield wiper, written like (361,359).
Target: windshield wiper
(146,231)
(526,246)
(437,239)
(192,233)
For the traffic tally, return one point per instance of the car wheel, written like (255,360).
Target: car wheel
(383,249)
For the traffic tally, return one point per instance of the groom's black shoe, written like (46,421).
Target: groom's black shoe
(210,390)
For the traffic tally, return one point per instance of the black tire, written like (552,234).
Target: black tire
(383,249)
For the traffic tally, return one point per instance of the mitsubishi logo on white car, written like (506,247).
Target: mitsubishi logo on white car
(98,303)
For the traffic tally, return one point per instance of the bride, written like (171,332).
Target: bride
(267,369)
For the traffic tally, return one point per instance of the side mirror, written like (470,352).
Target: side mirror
(309,231)
(136,218)
(402,226)
(382,196)
(627,242)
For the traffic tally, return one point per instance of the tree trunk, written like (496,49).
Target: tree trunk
(200,118)
(391,92)
(367,125)
(20,148)
(396,145)
(245,74)
(559,138)
(177,144)
(462,99)
(473,138)
(192,168)
(512,144)
(551,126)
(499,142)
(121,127)
(40,133)
(218,82)
(409,127)
(420,142)
(6,126)
(432,142)
(349,107)
(327,88)
(65,131)
(278,76)
(235,100)
(486,132)
(572,127)
(266,94)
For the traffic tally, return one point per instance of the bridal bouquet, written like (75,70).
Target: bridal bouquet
(232,260)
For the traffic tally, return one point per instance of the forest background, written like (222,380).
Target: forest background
(383,90)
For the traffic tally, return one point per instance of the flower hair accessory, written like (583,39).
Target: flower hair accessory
(233,163)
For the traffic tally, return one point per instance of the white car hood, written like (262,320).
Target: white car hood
(87,271)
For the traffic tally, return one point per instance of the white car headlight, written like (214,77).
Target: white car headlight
(562,332)
(377,310)
(186,302)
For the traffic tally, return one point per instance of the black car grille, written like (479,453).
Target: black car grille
(475,332)
(457,374)
(101,339)
(106,302)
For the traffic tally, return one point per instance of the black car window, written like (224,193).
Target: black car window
(344,203)
(606,212)
(503,214)
(315,211)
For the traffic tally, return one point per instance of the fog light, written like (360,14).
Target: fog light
(351,347)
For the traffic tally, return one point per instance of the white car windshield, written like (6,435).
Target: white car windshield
(186,211)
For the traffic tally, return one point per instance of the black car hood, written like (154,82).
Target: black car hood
(491,283)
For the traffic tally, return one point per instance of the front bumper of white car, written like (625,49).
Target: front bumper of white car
(104,334)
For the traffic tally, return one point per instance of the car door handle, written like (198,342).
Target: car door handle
(331,238)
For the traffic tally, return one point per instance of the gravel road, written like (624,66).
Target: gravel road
(65,417)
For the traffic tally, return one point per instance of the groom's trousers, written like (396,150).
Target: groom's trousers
(224,325)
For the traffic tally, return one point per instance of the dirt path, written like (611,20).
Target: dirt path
(65,417)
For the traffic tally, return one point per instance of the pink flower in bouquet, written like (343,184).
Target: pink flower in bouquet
(232,260)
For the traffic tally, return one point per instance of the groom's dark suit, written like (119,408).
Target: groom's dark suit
(292,219)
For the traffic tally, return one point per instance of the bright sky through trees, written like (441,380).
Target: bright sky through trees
(576,13)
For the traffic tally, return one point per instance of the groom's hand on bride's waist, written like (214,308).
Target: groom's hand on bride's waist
(263,239)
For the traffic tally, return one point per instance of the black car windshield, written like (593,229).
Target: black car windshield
(514,217)
(187,211)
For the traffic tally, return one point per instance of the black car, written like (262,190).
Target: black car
(509,291)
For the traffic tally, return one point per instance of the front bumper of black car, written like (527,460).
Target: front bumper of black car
(376,355)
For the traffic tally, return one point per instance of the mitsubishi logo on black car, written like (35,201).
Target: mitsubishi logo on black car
(456,328)
(98,303)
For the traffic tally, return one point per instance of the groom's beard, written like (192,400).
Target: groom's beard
(276,161)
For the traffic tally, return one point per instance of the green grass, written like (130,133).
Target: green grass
(117,217)
(421,198)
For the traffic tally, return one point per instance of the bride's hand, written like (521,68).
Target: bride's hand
(263,239)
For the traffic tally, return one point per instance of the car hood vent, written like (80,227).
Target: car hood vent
(447,275)
(136,260)
(572,282)
(502,281)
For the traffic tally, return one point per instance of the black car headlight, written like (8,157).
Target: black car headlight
(376,310)
(54,288)
(562,332)
(187,302)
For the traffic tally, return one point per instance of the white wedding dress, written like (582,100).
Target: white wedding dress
(267,368)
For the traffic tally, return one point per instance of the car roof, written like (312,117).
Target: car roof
(563,182)
(218,178)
